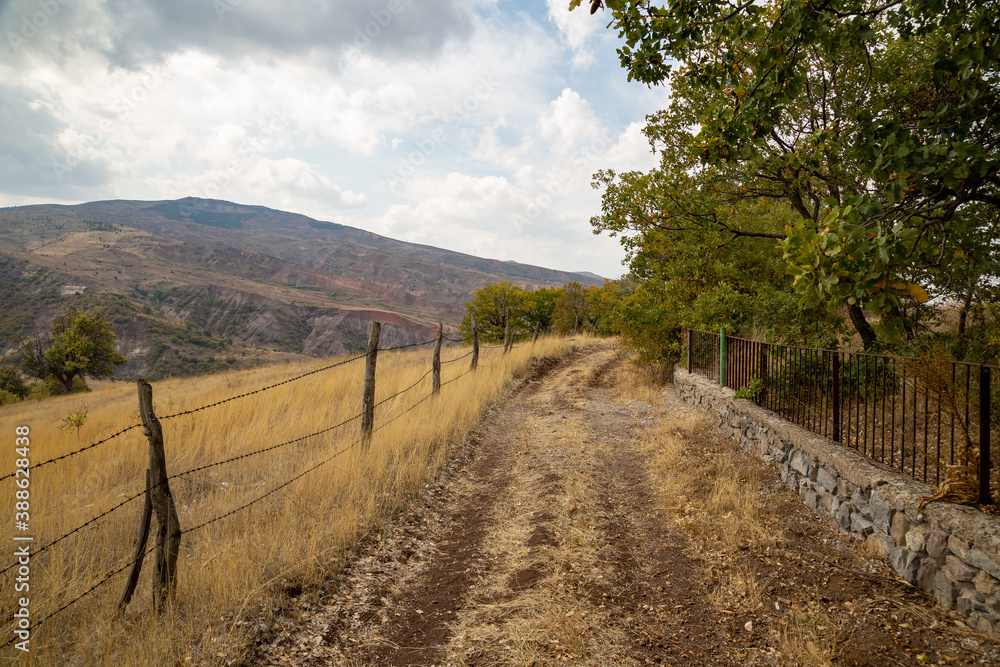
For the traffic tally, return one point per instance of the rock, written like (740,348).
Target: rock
(861,525)
(799,463)
(958,570)
(985,584)
(944,590)
(828,481)
(977,558)
(881,512)
(959,547)
(900,526)
(843,515)
(925,575)
(905,564)
(936,545)
(812,500)
(916,537)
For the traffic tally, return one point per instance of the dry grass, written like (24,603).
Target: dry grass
(809,637)
(231,572)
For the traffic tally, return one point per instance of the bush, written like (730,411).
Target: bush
(11,382)
(54,388)
(6,397)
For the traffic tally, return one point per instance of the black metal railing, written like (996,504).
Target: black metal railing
(916,415)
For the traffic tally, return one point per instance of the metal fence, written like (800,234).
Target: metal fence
(916,415)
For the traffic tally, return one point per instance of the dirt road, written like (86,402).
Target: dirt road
(559,534)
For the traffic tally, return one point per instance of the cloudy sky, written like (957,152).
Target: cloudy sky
(470,125)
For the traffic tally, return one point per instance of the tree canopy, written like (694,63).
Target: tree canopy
(875,123)
(80,344)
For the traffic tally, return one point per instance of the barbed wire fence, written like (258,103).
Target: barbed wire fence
(162,485)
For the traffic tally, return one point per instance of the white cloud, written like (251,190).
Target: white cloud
(577,28)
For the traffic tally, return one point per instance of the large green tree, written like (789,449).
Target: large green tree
(877,123)
(80,344)
(493,306)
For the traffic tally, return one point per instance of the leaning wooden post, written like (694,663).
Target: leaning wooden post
(436,363)
(475,345)
(168,532)
(139,552)
(368,398)
(538,328)
(506,335)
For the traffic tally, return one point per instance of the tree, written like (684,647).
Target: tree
(493,305)
(878,124)
(80,344)
(571,307)
(540,306)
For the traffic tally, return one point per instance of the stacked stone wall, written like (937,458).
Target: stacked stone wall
(950,551)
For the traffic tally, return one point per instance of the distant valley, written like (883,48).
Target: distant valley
(197,285)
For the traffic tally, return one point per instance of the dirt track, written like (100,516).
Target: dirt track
(544,542)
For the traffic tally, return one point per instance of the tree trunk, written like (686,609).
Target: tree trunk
(862,326)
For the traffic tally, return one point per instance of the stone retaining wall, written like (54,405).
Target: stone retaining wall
(950,551)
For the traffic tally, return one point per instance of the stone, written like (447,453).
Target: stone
(936,545)
(881,513)
(944,590)
(905,564)
(925,575)
(861,525)
(958,570)
(812,500)
(826,480)
(860,501)
(959,547)
(799,463)
(900,526)
(985,584)
(916,537)
(977,558)
(967,605)
(843,515)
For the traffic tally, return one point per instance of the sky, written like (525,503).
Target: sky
(473,126)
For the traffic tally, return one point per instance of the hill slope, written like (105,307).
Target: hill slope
(194,285)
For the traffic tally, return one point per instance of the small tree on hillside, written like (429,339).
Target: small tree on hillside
(80,344)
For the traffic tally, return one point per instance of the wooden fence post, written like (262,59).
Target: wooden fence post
(436,363)
(538,328)
(139,551)
(475,345)
(506,335)
(168,533)
(368,397)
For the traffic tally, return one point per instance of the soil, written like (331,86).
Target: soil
(543,541)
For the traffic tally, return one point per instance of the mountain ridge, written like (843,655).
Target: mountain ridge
(182,278)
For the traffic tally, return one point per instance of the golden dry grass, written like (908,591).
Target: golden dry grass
(231,572)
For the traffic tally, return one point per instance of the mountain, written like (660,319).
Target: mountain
(194,285)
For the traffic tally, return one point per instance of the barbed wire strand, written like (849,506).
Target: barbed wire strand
(82,449)
(263,389)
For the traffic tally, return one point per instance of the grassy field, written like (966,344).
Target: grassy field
(234,572)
